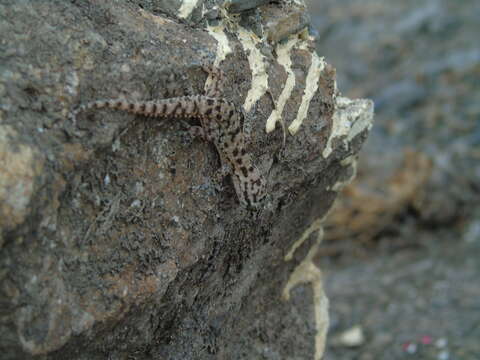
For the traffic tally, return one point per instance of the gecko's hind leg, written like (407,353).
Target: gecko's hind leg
(220,174)
(214,83)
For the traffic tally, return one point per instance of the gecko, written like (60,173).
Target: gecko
(221,123)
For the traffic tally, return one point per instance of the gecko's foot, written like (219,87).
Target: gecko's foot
(196,132)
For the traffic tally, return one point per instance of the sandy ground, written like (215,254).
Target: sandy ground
(404,276)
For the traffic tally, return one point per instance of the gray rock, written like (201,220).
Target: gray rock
(242,5)
(116,240)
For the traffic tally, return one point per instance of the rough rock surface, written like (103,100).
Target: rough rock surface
(115,240)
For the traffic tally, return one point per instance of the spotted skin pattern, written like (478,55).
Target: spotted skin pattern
(221,123)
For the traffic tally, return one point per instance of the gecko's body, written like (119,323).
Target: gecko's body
(221,123)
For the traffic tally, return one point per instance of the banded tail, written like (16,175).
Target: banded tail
(185,106)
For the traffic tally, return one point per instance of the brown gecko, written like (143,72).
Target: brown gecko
(221,123)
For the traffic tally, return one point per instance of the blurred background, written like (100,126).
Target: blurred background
(402,253)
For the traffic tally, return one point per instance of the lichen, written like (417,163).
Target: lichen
(308,273)
(18,168)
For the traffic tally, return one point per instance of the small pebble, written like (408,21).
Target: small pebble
(443,355)
(136,203)
(441,343)
(352,337)
(411,348)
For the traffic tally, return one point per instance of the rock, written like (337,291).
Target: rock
(368,210)
(283,22)
(236,6)
(19,167)
(116,240)
(352,337)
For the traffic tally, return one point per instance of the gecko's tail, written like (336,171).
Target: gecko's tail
(98,104)
(185,106)
(114,104)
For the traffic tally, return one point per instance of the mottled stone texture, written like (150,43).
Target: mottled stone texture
(116,242)
(242,5)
